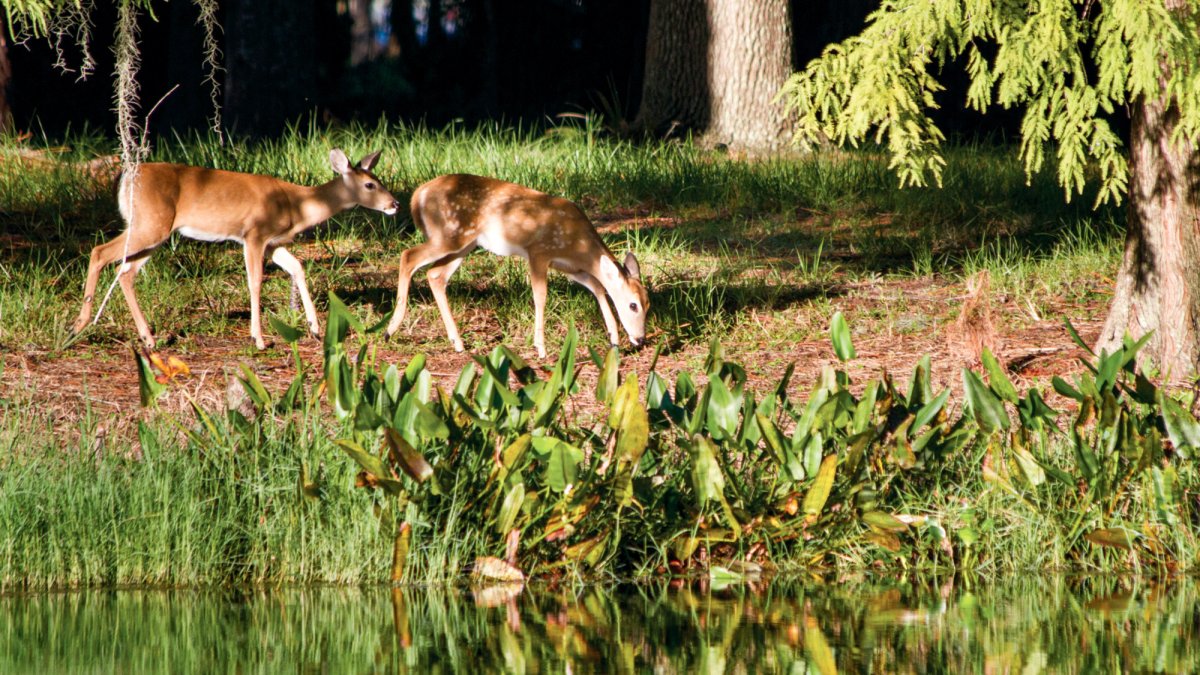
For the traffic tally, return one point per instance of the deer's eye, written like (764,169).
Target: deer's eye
(633,306)
(369,186)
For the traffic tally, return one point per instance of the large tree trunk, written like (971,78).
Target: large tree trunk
(714,67)
(1158,286)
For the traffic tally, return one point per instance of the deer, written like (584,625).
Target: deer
(262,213)
(458,213)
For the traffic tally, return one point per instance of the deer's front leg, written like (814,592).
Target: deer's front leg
(254,271)
(593,284)
(538,268)
(288,263)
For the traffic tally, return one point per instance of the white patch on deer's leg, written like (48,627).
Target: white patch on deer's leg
(288,263)
(537,281)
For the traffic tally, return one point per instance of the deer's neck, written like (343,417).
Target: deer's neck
(314,205)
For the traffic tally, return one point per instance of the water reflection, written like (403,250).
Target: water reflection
(1030,626)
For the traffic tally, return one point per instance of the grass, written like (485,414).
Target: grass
(756,254)
(752,228)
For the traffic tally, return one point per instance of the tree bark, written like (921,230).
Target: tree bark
(1158,285)
(714,67)
(675,93)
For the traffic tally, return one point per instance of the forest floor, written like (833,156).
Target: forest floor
(757,256)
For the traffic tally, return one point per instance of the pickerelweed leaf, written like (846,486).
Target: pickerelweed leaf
(561,461)
(1060,385)
(998,378)
(818,492)
(1182,427)
(1113,537)
(839,333)
(289,333)
(988,410)
(404,455)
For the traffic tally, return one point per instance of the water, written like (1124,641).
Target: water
(1028,626)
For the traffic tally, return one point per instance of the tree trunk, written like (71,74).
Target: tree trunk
(675,93)
(6,120)
(1158,286)
(714,67)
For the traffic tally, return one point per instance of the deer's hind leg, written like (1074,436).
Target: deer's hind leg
(139,248)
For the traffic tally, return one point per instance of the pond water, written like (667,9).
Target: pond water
(1027,626)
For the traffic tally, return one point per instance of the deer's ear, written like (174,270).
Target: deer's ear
(632,267)
(339,161)
(609,269)
(369,161)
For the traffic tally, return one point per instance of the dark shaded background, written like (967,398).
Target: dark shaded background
(513,60)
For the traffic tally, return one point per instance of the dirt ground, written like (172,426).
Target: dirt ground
(101,379)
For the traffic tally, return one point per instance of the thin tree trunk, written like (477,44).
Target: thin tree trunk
(6,120)
(1158,286)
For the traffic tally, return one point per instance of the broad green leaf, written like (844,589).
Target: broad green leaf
(772,436)
(404,455)
(1075,337)
(818,492)
(365,417)
(632,425)
(289,333)
(608,380)
(883,521)
(998,378)
(707,479)
(988,410)
(1029,466)
(562,461)
(839,333)
(920,390)
(864,411)
(370,464)
(724,408)
(1060,385)
(1182,427)
(510,507)
(1113,537)
(930,410)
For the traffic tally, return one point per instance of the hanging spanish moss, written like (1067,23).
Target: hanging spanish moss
(212,60)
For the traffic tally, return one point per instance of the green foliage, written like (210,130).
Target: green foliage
(852,470)
(1071,64)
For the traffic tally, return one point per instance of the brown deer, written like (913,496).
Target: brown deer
(260,212)
(459,212)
